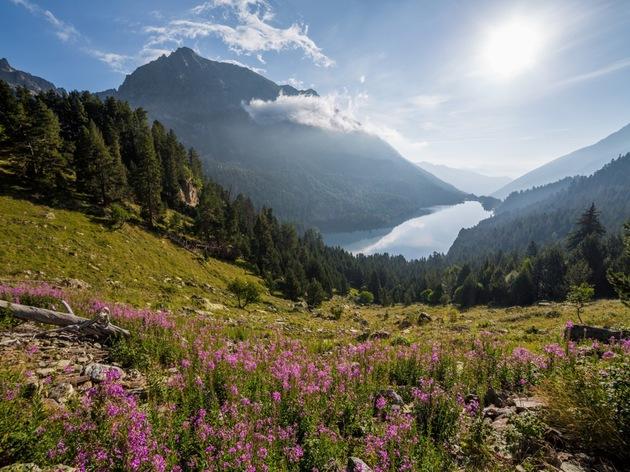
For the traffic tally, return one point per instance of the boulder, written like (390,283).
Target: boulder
(62,392)
(98,372)
(528,404)
(357,465)
(579,332)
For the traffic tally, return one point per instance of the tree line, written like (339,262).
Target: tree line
(106,152)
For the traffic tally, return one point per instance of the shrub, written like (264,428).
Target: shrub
(365,298)
(336,311)
(591,406)
(118,215)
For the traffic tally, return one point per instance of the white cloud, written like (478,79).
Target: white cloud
(238,63)
(428,101)
(64,31)
(331,112)
(260,59)
(335,112)
(250,33)
(362,79)
(296,83)
(118,62)
(608,69)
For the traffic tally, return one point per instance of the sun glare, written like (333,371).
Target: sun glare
(512,48)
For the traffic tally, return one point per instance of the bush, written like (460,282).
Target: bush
(591,406)
(245,292)
(118,215)
(365,298)
(336,311)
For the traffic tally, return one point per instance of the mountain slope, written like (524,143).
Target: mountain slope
(547,214)
(466,180)
(584,161)
(18,78)
(318,177)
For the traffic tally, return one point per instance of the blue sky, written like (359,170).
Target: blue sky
(496,86)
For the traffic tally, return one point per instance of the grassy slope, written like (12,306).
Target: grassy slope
(127,265)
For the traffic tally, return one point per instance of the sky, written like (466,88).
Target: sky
(496,86)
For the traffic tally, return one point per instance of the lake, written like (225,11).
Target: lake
(417,237)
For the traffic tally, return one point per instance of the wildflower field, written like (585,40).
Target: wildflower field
(221,396)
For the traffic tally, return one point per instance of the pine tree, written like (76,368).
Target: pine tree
(100,173)
(41,148)
(587,225)
(149,175)
(315,294)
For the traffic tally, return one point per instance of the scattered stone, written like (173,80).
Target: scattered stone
(528,404)
(98,372)
(392,396)
(45,372)
(424,318)
(500,424)
(75,283)
(380,335)
(357,465)
(571,467)
(62,392)
(27,467)
(62,364)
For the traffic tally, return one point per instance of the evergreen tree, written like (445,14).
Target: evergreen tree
(41,148)
(315,293)
(100,173)
(587,225)
(620,280)
(148,175)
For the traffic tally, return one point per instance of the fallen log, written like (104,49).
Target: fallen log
(579,332)
(98,327)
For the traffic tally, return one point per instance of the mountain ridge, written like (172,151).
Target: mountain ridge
(583,161)
(466,180)
(330,180)
(17,78)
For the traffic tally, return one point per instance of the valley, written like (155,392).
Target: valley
(260,236)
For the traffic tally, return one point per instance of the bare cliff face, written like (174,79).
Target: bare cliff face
(189,194)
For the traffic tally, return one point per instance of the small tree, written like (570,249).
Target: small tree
(245,292)
(580,295)
(621,280)
(315,293)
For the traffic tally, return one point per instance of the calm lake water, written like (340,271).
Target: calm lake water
(417,237)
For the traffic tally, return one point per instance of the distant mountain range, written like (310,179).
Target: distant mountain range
(548,213)
(466,180)
(18,78)
(584,161)
(325,178)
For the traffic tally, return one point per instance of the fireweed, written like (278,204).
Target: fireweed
(272,403)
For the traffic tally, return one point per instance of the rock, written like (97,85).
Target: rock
(424,318)
(62,392)
(380,335)
(404,324)
(571,467)
(27,467)
(528,404)
(62,364)
(357,465)
(98,372)
(45,372)
(6,342)
(493,398)
(500,424)
(392,397)
(75,283)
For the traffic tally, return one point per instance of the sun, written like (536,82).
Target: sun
(512,48)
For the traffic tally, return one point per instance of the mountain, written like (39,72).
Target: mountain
(547,214)
(584,161)
(17,78)
(332,180)
(467,180)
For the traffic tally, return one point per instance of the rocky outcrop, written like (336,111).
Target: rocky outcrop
(189,194)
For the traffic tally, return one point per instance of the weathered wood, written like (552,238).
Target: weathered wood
(83,325)
(579,332)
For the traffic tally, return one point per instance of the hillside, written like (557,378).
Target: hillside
(548,213)
(131,265)
(466,180)
(584,161)
(331,179)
